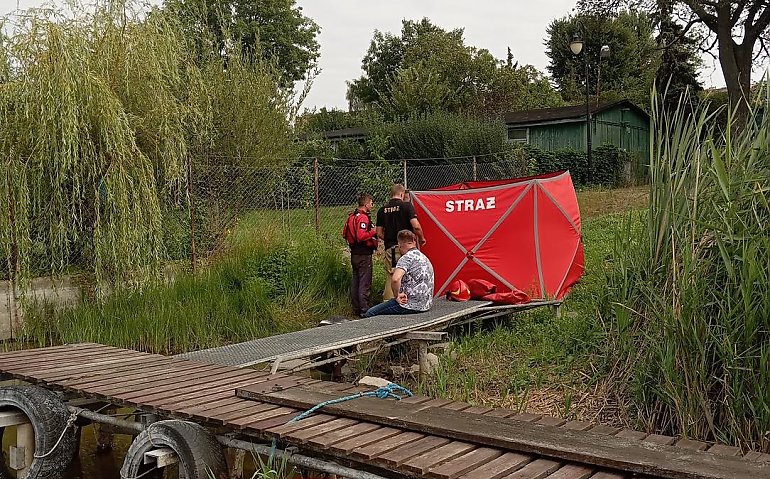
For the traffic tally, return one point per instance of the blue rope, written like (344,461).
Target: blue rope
(383,392)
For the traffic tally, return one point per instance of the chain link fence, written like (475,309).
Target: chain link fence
(227,203)
(307,199)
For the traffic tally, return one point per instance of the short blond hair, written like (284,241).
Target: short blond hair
(396,189)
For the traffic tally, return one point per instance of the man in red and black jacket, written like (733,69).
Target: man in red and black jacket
(362,239)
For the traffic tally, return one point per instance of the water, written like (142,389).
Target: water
(92,465)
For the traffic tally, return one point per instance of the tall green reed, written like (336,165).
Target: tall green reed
(690,296)
(257,289)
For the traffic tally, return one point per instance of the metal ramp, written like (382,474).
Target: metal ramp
(309,342)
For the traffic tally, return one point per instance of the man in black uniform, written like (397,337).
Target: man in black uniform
(394,216)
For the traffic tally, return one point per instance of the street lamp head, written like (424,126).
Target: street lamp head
(604,52)
(576,45)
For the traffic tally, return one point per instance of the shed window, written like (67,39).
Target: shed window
(518,135)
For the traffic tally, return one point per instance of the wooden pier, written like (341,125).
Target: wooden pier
(473,443)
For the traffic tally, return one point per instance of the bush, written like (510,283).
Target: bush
(606,164)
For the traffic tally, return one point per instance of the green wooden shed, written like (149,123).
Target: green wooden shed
(619,123)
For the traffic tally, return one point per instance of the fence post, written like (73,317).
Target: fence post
(317,200)
(474,168)
(13,263)
(191,207)
(405,185)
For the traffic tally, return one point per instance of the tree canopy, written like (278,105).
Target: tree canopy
(738,31)
(428,69)
(275,30)
(628,72)
(102,115)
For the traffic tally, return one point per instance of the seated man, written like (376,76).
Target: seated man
(412,278)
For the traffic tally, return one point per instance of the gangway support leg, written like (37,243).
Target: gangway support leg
(105,434)
(423,358)
(235,459)
(423,338)
(25,441)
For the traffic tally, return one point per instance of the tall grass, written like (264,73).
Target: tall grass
(259,288)
(690,296)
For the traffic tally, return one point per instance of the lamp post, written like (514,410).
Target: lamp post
(577,46)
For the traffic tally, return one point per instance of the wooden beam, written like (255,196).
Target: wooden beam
(12,418)
(161,457)
(426,335)
(573,446)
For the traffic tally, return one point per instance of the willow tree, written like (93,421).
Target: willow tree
(102,112)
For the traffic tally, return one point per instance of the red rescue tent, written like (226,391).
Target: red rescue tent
(518,234)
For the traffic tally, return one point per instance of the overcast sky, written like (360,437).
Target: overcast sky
(347,27)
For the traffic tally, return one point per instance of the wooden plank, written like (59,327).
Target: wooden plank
(578,425)
(83,368)
(37,352)
(422,463)
(381,447)
(460,465)
(692,445)
(397,456)
(12,417)
(757,456)
(286,428)
(26,367)
(416,399)
(502,413)
(433,403)
(218,392)
(526,417)
(537,469)
(631,435)
(21,363)
(572,471)
(149,381)
(426,335)
(11,358)
(203,392)
(551,421)
(157,386)
(499,467)
(478,410)
(161,457)
(375,436)
(722,450)
(126,376)
(304,435)
(607,475)
(456,406)
(244,412)
(277,420)
(602,429)
(566,445)
(92,375)
(252,421)
(184,388)
(244,409)
(660,439)
(343,434)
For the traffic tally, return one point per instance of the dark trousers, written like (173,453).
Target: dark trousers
(362,282)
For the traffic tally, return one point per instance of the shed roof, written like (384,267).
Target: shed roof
(344,134)
(546,115)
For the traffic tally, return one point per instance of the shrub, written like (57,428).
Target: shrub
(606,164)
